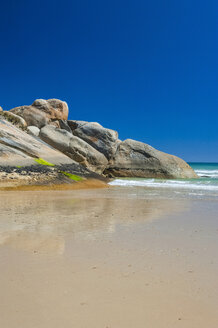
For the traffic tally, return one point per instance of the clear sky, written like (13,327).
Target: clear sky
(144,68)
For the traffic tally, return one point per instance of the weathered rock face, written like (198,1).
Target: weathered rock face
(42,112)
(136,159)
(19,148)
(73,124)
(55,108)
(74,147)
(32,115)
(14,119)
(64,125)
(102,139)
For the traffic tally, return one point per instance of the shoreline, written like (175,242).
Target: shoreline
(49,177)
(86,184)
(67,256)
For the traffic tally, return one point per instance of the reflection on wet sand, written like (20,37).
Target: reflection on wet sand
(33,242)
(107,258)
(40,221)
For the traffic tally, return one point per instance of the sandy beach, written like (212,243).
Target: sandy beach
(107,258)
(108,164)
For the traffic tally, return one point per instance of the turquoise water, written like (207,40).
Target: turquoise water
(206,169)
(205,185)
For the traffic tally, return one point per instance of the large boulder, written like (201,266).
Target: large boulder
(137,159)
(43,112)
(55,108)
(74,147)
(102,139)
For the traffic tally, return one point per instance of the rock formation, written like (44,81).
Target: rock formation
(49,135)
(27,160)
(74,147)
(19,148)
(137,159)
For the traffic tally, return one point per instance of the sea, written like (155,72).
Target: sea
(205,186)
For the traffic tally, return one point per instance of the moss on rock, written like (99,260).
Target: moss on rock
(72,176)
(41,161)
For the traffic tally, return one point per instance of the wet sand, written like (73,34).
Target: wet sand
(107,258)
(19,185)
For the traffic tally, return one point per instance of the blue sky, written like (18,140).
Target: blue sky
(144,68)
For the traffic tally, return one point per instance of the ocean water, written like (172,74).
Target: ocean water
(205,186)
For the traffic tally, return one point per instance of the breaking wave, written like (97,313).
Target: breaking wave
(169,184)
(207,173)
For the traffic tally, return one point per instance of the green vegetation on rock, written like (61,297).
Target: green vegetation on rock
(41,161)
(72,176)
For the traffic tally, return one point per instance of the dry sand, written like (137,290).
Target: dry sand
(107,258)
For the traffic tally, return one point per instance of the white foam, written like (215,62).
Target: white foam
(169,184)
(209,173)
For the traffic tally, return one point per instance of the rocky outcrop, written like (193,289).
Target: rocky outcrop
(74,147)
(42,112)
(87,143)
(20,148)
(137,159)
(27,161)
(102,139)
